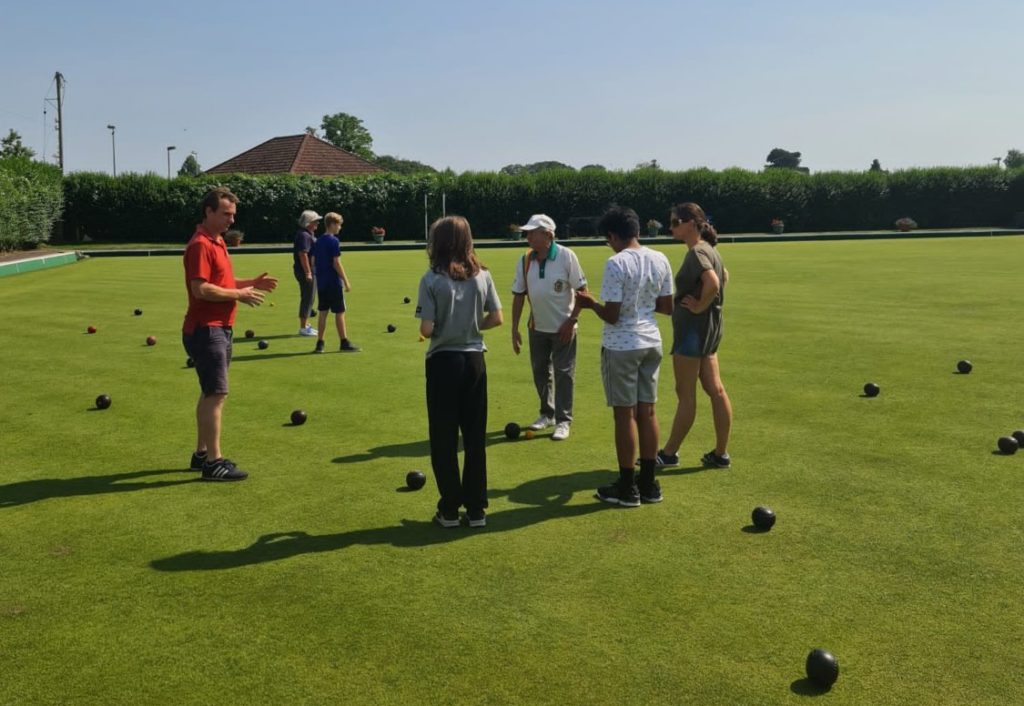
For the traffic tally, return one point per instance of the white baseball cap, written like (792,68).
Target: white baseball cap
(308,217)
(539,220)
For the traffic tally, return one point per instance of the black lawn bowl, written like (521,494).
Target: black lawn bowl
(392,328)
(763,518)
(1019,436)
(189,363)
(964,367)
(512,431)
(871,390)
(415,480)
(249,333)
(406,300)
(263,345)
(103,401)
(822,668)
(298,417)
(1008,445)
(138,312)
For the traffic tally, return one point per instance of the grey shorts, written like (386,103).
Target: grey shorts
(210,348)
(630,376)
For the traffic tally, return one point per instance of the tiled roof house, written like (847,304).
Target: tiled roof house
(296,154)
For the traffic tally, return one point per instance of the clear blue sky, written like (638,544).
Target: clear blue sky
(477,85)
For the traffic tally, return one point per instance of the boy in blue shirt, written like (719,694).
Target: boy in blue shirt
(332,282)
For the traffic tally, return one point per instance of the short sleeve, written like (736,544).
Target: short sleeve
(518,281)
(577,280)
(335,247)
(703,259)
(426,307)
(666,278)
(198,263)
(611,283)
(491,301)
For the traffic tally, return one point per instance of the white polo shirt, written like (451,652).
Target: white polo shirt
(550,285)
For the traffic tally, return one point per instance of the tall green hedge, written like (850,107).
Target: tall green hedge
(31,200)
(149,208)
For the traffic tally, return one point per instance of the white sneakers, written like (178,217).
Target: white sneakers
(541,423)
(307,331)
(561,432)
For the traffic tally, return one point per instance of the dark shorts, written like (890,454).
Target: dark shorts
(332,299)
(696,336)
(210,348)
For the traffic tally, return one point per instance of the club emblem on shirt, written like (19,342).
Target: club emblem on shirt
(559,286)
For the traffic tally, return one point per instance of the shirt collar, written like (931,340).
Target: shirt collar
(552,252)
(202,231)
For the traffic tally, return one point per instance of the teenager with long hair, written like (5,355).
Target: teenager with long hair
(457,302)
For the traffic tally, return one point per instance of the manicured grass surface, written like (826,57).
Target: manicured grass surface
(898,545)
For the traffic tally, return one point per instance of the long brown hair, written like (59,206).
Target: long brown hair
(690,211)
(451,248)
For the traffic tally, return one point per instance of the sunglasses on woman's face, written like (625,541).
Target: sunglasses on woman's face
(676,220)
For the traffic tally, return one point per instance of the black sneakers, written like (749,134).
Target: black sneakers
(319,347)
(650,492)
(223,469)
(348,347)
(619,493)
(476,518)
(664,460)
(715,461)
(196,464)
(447,520)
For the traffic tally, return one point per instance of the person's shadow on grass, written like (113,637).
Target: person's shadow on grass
(410,449)
(542,499)
(31,491)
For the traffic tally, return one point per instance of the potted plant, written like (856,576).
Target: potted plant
(653,227)
(513,231)
(234,238)
(778,226)
(905,224)
(378,234)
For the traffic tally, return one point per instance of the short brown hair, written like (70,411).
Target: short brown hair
(213,198)
(332,218)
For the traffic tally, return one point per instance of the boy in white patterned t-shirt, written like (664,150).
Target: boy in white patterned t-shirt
(637,284)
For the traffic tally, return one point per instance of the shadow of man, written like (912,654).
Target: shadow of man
(31,491)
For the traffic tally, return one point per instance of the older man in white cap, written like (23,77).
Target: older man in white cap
(302,254)
(549,275)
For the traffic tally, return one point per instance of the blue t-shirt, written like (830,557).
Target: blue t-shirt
(325,250)
(302,243)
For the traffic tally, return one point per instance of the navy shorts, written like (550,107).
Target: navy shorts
(210,348)
(332,299)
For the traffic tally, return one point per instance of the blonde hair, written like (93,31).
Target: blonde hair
(333,218)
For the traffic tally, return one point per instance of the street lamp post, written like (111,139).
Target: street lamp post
(169,148)
(113,148)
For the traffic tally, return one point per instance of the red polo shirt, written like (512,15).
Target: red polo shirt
(206,258)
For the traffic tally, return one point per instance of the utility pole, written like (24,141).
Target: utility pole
(169,148)
(113,148)
(59,78)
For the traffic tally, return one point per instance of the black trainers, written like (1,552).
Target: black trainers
(618,493)
(476,518)
(664,460)
(715,461)
(650,492)
(447,520)
(223,469)
(348,347)
(196,464)
(319,347)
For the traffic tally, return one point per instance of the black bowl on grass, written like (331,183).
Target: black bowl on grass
(964,367)
(1008,445)
(512,431)
(763,518)
(871,389)
(822,668)
(415,480)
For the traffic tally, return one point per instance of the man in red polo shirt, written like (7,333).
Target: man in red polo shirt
(213,296)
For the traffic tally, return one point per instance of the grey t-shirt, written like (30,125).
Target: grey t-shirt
(688,281)
(457,308)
